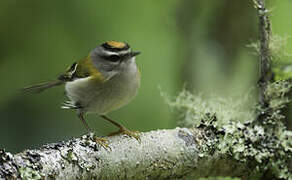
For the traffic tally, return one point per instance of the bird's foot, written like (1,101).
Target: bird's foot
(132,134)
(101,141)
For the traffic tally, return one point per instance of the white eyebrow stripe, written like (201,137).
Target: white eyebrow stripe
(117,53)
(125,51)
(111,53)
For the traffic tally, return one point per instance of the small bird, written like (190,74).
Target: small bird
(107,79)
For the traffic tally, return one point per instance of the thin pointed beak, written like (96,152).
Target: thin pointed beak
(133,54)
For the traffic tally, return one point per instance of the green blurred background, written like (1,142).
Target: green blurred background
(201,43)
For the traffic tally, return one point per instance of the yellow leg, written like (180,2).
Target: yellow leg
(81,117)
(101,141)
(122,129)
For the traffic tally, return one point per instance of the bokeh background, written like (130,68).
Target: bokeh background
(202,44)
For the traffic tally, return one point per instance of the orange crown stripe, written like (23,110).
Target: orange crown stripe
(116,44)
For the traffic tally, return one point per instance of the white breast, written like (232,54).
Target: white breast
(101,98)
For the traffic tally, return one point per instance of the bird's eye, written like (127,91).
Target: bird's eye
(114,58)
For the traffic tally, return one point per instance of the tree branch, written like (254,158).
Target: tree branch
(264,51)
(162,154)
(238,150)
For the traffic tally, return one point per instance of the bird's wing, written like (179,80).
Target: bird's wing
(82,69)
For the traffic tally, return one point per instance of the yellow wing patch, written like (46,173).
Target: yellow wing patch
(86,68)
(116,44)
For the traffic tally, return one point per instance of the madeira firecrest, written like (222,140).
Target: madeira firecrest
(105,80)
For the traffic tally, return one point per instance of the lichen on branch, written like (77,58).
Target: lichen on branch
(265,147)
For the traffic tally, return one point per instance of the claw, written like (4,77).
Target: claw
(132,134)
(102,142)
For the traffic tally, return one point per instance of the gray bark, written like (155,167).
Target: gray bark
(161,154)
(264,51)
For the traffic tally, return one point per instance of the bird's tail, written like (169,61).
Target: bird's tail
(38,88)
